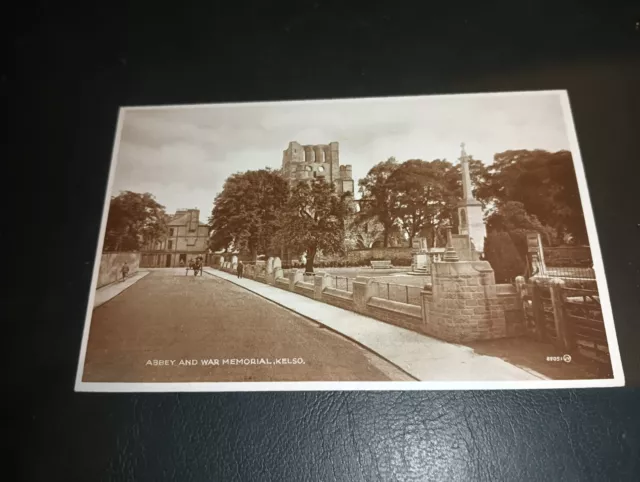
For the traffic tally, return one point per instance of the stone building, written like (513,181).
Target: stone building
(301,163)
(186,239)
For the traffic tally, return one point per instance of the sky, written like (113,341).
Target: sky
(183,155)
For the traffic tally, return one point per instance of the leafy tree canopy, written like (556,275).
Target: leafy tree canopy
(544,183)
(135,219)
(511,217)
(416,196)
(314,220)
(378,197)
(502,254)
(245,213)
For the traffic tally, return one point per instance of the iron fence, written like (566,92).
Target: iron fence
(407,294)
(570,272)
(341,283)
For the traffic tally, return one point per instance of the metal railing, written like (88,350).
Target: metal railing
(407,294)
(341,283)
(570,272)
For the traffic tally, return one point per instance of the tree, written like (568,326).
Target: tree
(511,217)
(503,256)
(134,220)
(546,185)
(425,196)
(378,197)
(314,220)
(245,213)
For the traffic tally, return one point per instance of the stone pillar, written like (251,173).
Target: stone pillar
(319,151)
(535,255)
(521,289)
(450,255)
(426,298)
(295,275)
(464,305)
(470,217)
(234,262)
(320,282)
(363,290)
(538,308)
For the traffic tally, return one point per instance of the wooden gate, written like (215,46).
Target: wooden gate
(570,318)
(583,313)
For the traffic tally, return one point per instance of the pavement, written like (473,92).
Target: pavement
(170,327)
(112,290)
(423,357)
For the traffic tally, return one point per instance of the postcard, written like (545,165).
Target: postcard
(399,243)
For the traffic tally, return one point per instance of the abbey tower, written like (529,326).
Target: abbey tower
(301,163)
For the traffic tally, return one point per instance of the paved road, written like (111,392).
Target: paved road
(170,316)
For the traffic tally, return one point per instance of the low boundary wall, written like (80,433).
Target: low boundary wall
(462,303)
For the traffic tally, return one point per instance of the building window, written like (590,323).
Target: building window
(170,244)
(171,232)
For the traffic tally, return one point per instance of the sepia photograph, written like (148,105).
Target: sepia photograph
(399,243)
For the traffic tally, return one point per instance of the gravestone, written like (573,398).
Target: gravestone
(269,274)
(277,268)
(420,256)
(234,261)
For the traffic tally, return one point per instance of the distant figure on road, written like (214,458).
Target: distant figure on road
(189,267)
(124,271)
(182,263)
(197,267)
(240,269)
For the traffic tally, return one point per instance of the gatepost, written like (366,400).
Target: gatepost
(295,275)
(556,289)
(320,281)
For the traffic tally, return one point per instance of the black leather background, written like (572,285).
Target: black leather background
(69,70)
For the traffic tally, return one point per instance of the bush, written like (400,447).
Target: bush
(501,252)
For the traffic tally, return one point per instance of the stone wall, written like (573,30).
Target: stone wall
(461,304)
(568,256)
(111,264)
(341,299)
(395,313)
(464,305)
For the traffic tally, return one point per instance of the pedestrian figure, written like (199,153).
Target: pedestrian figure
(189,267)
(196,267)
(124,271)
(240,269)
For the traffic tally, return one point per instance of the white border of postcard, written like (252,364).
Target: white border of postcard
(616,363)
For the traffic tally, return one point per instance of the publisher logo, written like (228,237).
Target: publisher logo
(563,358)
